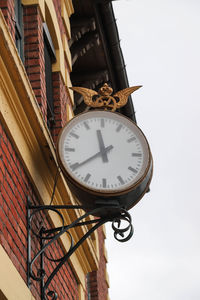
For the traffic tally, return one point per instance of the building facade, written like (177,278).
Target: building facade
(46,46)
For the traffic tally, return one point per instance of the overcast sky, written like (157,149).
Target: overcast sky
(160,40)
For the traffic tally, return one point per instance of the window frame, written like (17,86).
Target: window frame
(49,59)
(19,37)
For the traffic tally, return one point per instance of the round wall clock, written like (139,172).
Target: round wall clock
(105,158)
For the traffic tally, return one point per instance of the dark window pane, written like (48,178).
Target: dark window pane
(49,55)
(49,83)
(19,27)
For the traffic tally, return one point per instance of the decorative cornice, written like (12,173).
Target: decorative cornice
(66,13)
(69,6)
(40,3)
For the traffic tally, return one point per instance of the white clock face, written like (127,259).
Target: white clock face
(103,151)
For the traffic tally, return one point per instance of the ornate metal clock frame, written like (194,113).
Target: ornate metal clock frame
(46,237)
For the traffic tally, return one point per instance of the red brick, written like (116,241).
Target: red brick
(20,211)
(15,178)
(36,84)
(4,148)
(34,77)
(10,229)
(21,248)
(32,10)
(8,191)
(15,260)
(23,176)
(10,182)
(30,25)
(1,225)
(1,177)
(4,243)
(10,148)
(2,167)
(3,216)
(32,32)
(5,161)
(22,237)
(29,19)
(33,62)
(22,226)
(37,91)
(31,70)
(13,212)
(16,252)
(6,206)
(31,47)
(14,167)
(32,55)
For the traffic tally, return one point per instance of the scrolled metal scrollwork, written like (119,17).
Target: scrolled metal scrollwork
(39,234)
(53,295)
(48,236)
(62,257)
(42,236)
(123,234)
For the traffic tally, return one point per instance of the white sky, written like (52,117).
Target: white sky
(161,46)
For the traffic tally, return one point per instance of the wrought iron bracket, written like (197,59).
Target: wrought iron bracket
(46,237)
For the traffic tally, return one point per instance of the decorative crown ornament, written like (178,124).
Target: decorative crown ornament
(104,98)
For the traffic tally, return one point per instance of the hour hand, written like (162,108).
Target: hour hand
(102,146)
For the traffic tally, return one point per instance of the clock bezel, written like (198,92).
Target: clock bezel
(103,193)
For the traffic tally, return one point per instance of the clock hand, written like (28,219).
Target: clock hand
(102,146)
(77,165)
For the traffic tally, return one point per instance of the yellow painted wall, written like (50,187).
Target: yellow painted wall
(12,285)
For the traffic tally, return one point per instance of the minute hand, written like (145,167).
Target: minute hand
(77,165)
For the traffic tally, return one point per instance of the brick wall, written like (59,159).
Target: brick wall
(8,9)
(57,5)
(34,54)
(60,104)
(35,62)
(35,67)
(14,188)
(97,283)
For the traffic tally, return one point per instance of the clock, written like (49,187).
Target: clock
(105,158)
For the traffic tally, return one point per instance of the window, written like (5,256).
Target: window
(49,56)
(88,286)
(19,27)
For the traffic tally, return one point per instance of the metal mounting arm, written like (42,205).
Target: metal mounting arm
(46,237)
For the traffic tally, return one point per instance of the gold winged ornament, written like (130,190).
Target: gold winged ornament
(104,98)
